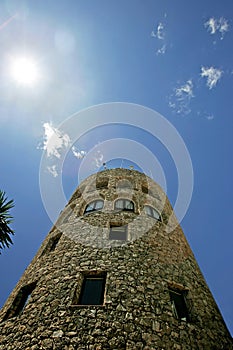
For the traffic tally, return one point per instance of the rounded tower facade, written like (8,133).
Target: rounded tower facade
(115,272)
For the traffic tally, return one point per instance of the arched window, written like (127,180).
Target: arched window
(152,212)
(124,204)
(93,206)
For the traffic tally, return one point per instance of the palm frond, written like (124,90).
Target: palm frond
(5,220)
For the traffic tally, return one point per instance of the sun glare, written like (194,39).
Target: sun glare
(24,71)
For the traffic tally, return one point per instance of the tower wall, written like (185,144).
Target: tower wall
(138,311)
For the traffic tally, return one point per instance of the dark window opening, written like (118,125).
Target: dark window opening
(179,305)
(54,242)
(145,189)
(102,183)
(20,301)
(152,212)
(94,206)
(92,292)
(118,233)
(124,204)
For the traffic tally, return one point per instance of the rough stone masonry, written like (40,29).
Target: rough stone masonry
(110,275)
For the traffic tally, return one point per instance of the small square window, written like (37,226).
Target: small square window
(145,189)
(118,233)
(179,304)
(101,183)
(92,292)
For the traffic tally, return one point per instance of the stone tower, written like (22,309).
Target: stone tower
(115,272)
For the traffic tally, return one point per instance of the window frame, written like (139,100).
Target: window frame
(124,207)
(85,289)
(94,207)
(179,304)
(20,301)
(123,231)
(151,212)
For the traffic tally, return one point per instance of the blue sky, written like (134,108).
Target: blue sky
(173,57)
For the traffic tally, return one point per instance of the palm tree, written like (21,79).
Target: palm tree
(5,220)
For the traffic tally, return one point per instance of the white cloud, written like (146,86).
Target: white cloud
(185,90)
(159,33)
(78,154)
(180,99)
(99,157)
(212,74)
(162,50)
(53,170)
(210,117)
(211,25)
(54,140)
(214,25)
(204,114)
(223,26)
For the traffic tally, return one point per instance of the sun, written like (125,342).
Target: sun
(24,71)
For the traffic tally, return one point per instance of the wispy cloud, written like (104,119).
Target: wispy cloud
(78,154)
(180,99)
(52,170)
(185,90)
(98,159)
(162,50)
(54,141)
(215,25)
(210,117)
(223,25)
(159,32)
(211,25)
(204,114)
(212,74)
